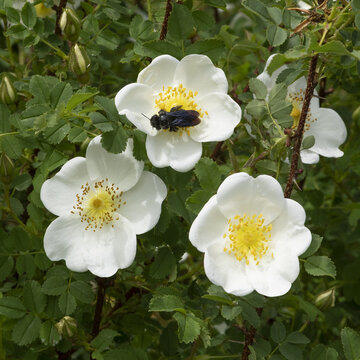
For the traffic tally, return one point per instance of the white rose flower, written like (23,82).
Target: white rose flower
(251,236)
(193,83)
(324,124)
(102,202)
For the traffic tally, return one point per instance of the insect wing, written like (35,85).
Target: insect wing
(183,118)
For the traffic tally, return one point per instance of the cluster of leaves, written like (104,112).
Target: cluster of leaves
(163,307)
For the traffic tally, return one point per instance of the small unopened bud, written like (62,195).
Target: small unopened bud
(66,326)
(79,61)
(7,91)
(6,169)
(325,299)
(70,25)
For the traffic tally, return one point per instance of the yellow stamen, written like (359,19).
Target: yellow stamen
(247,237)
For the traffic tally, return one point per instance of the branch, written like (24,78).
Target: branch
(249,338)
(59,10)
(217,150)
(311,83)
(166,19)
(99,306)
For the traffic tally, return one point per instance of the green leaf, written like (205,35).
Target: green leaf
(18,31)
(28,15)
(115,141)
(126,352)
(221,4)
(12,146)
(6,266)
(22,182)
(290,351)
(277,94)
(54,286)
(218,299)
(333,47)
(230,312)
(197,200)
(297,338)
(278,332)
(189,327)
(180,23)
(256,7)
(12,307)
(208,173)
(275,14)
(202,20)
(258,88)
(39,88)
(101,122)
(308,142)
(34,299)
(164,264)
(256,108)
(168,340)
(25,265)
(351,343)
(276,35)
(104,339)
(12,15)
(26,330)
(67,303)
(314,246)
(165,303)
(4,118)
(213,48)
(49,335)
(355,4)
(82,291)
(60,94)
(250,314)
(320,266)
(57,133)
(142,29)
(321,352)
(154,48)
(77,135)
(53,160)
(108,39)
(78,99)
(108,105)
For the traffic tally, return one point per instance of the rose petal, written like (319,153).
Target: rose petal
(309,157)
(58,194)
(121,169)
(110,248)
(135,101)
(329,131)
(225,270)
(143,202)
(241,194)
(198,73)
(288,230)
(224,115)
(209,226)
(173,149)
(160,73)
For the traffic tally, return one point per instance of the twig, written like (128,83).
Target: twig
(166,19)
(311,83)
(217,150)
(59,10)
(249,338)
(99,306)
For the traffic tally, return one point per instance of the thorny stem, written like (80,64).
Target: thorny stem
(59,10)
(311,83)
(249,338)
(166,19)
(98,307)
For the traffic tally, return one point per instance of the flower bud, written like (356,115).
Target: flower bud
(79,61)
(70,25)
(6,169)
(7,91)
(325,299)
(66,326)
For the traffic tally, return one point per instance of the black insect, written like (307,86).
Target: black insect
(174,119)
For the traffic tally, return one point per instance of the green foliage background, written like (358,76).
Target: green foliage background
(161,307)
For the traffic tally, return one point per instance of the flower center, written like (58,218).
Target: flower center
(174,96)
(297,100)
(247,237)
(97,204)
